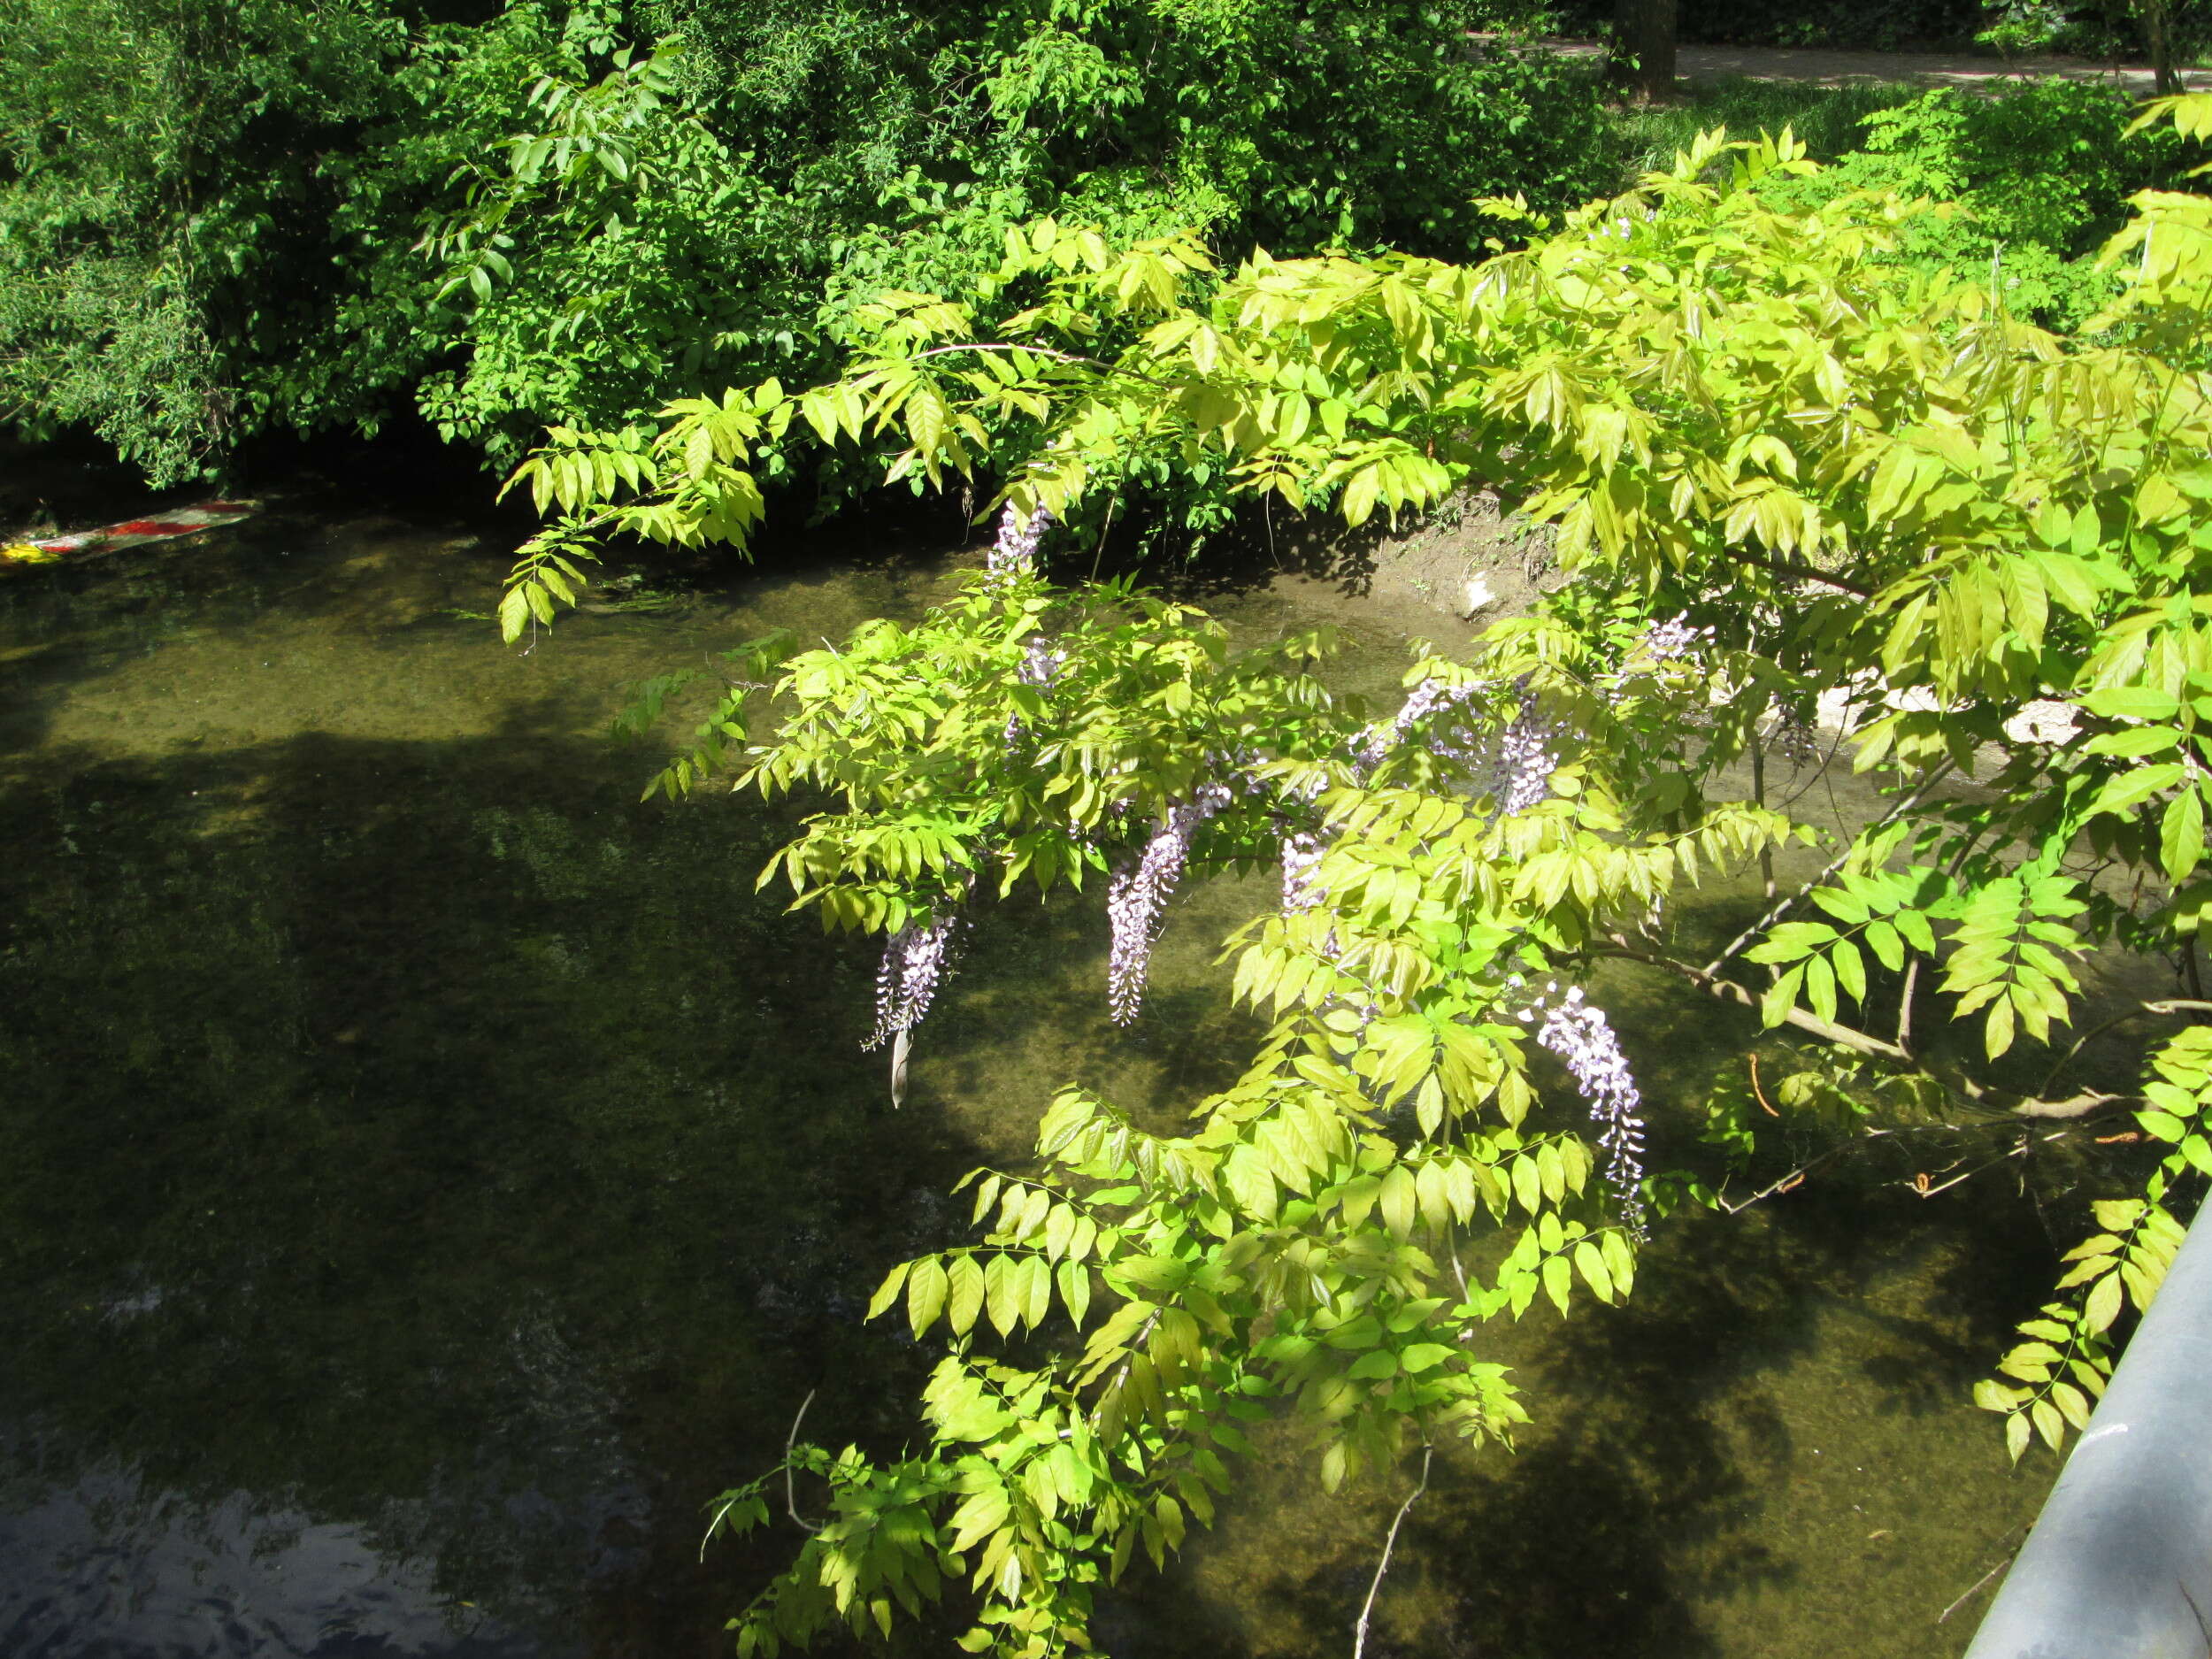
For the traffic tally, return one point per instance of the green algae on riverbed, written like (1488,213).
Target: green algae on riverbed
(408,1129)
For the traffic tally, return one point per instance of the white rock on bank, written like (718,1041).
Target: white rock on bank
(2046,720)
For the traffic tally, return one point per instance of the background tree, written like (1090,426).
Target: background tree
(1644,34)
(1783,461)
(273,216)
(2158,35)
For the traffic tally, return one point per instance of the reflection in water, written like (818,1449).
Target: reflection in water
(107,1566)
(431,1176)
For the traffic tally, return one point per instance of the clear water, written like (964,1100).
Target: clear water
(427,1176)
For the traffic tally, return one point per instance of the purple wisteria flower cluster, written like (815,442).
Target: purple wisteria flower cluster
(1039,667)
(1302,856)
(1664,641)
(1519,769)
(1430,697)
(1136,900)
(1795,741)
(1014,552)
(1521,775)
(1578,1033)
(916,960)
(1040,664)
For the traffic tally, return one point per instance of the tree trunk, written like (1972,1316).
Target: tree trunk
(2158,31)
(1644,32)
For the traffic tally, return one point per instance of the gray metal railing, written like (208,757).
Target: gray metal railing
(2119,1565)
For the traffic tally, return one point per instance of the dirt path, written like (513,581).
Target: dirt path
(1832,68)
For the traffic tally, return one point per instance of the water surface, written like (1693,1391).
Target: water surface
(431,1175)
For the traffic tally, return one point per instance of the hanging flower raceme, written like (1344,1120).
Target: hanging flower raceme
(1521,775)
(1579,1033)
(1039,667)
(1015,553)
(1302,856)
(1794,741)
(1665,642)
(1040,664)
(1519,769)
(1136,900)
(916,960)
(1430,697)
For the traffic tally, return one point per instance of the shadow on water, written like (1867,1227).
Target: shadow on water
(474,1173)
(431,1177)
(1767,1451)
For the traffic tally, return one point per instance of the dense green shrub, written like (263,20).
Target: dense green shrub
(572,212)
(725,203)
(159,188)
(2036,178)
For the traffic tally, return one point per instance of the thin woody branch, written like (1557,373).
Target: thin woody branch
(1729,991)
(2086,1104)
(1789,901)
(1796,573)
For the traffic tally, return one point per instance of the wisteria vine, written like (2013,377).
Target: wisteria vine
(916,961)
(1136,900)
(1516,769)
(1019,537)
(1578,1033)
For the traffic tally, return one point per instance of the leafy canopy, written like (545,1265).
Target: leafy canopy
(1782,462)
(219,218)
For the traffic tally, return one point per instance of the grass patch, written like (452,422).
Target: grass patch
(1831,121)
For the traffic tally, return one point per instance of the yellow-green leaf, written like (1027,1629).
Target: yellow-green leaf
(926,1290)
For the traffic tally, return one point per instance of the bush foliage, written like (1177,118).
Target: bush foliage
(160,191)
(218,219)
(2033,181)
(1783,460)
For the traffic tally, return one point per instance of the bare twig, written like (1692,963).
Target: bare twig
(1927,1189)
(1971,1588)
(1359,1636)
(1758,1093)
(1820,770)
(1105,530)
(1789,1183)
(1776,911)
(2171,1005)
(1759,797)
(2081,1105)
(1728,991)
(1798,573)
(790,1493)
(2003,1562)
(1796,1177)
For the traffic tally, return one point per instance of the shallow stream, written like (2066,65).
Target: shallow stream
(427,1176)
